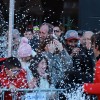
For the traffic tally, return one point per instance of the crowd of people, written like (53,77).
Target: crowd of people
(47,57)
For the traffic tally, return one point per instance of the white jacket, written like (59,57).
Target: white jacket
(41,95)
(25,66)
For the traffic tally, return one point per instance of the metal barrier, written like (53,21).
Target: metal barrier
(36,92)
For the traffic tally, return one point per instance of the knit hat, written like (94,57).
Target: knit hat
(24,49)
(71,34)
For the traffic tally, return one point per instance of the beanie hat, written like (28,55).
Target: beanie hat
(24,49)
(71,34)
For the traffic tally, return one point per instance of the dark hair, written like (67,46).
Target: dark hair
(34,64)
(95,39)
(29,30)
(36,60)
(12,62)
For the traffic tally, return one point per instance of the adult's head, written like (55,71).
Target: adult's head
(87,38)
(15,38)
(15,35)
(57,32)
(95,40)
(71,38)
(45,30)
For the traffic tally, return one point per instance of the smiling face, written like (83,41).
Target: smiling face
(42,66)
(12,72)
(72,43)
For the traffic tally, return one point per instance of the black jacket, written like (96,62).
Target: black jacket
(83,65)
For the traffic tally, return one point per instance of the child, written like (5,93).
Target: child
(28,34)
(39,69)
(12,77)
(25,53)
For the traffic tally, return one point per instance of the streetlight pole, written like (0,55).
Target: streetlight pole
(11,25)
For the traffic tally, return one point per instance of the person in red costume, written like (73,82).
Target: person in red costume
(12,77)
(94,88)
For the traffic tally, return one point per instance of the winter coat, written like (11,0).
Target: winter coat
(34,42)
(19,82)
(94,88)
(89,64)
(25,66)
(41,95)
(83,65)
(59,64)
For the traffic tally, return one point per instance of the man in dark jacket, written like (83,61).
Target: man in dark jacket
(82,59)
(89,56)
(75,75)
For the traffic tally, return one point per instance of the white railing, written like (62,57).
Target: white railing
(35,94)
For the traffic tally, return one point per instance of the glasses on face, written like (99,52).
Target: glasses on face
(36,29)
(56,31)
